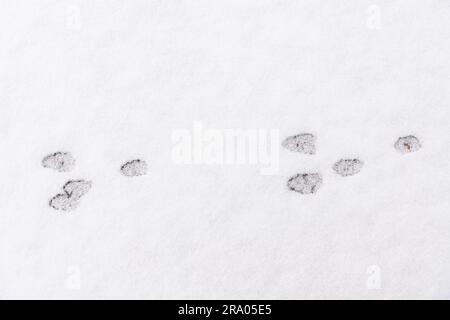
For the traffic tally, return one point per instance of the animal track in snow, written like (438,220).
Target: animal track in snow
(303,143)
(407,144)
(305,183)
(62,201)
(77,188)
(59,161)
(348,167)
(73,191)
(134,168)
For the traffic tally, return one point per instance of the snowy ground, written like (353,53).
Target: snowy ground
(111,81)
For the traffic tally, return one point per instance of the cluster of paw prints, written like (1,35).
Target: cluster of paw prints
(304,183)
(309,183)
(74,190)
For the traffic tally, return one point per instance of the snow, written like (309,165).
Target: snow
(110,81)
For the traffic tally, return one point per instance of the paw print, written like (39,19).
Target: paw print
(134,168)
(73,190)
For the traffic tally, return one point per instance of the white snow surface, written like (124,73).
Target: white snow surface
(113,85)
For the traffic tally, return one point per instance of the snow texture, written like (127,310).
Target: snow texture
(111,79)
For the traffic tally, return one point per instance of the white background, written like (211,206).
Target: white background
(113,85)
